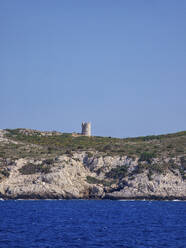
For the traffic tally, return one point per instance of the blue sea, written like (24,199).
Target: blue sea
(92,223)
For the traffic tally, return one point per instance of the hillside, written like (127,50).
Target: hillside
(36,164)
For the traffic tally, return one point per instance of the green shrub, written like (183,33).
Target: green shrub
(159,168)
(169,146)
(49,149)
(48,161)
(117,173)
(140,168)
(89,155)
(179,150)
(146,156)
(93,180)
(30,168)
(2,154)
(76,159)
(69,153)
(138,150)
(5,172)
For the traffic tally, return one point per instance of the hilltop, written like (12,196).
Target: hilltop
(35,164)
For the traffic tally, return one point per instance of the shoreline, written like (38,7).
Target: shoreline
(139,198)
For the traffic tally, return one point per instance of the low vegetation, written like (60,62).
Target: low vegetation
(4,173)
(159,168)
(117,173)
(30,168)
(144,147)
(93,180)
(146,156)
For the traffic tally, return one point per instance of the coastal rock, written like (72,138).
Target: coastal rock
(32,166)
(68,179)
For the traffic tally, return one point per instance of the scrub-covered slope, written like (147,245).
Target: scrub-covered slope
(36,164)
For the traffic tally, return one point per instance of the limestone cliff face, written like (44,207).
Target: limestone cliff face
(80,176)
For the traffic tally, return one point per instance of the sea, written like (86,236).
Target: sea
(92,223)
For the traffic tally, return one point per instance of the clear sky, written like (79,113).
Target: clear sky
(119,64)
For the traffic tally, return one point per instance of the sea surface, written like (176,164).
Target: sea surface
(91,223)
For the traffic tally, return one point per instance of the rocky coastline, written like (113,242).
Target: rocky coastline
(91,175)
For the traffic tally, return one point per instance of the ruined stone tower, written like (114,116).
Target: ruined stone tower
(86,129)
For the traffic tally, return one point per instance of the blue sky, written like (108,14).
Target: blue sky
(119,64)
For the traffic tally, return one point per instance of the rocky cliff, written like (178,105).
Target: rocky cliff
(85,174)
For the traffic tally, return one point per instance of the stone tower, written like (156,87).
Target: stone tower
(86,129)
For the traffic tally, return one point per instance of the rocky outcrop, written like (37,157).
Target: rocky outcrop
(82,176)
